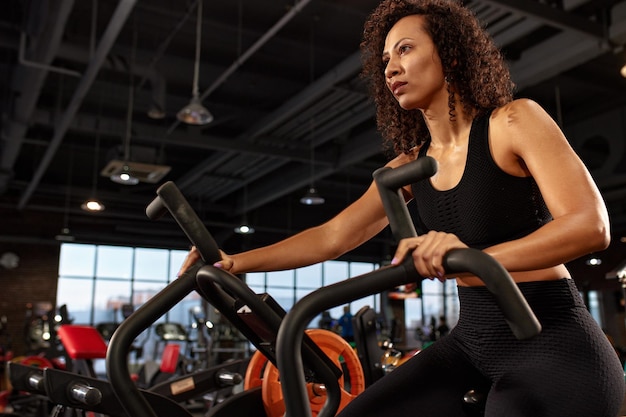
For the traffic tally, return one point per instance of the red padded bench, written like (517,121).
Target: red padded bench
(82,344)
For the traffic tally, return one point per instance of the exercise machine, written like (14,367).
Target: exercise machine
(81,391)
(256,316)
(308,375)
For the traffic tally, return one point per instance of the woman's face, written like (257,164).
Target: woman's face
(413,70)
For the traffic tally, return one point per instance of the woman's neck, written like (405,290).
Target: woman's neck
(446,130)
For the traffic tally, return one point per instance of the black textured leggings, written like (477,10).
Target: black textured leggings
(569,370)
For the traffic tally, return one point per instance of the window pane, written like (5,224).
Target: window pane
(110,294)
(336,312)
(452,302)
(302,292)
(309,277)
(283,296)
(114,262)
(280,279)
(367,301)
(257,289)
(76,293)
(143,291)
(77,260)
(413,312)
(176,261)
(256,279)
(432,286)
(181,313)
(360,268)
(335,271)
(151,264)
(433,307)
(594,307)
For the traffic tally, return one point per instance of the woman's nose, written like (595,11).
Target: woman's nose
(391,69)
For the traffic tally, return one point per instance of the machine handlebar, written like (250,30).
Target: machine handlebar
(169,198)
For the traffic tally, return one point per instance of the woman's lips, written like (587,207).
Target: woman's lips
(396,88)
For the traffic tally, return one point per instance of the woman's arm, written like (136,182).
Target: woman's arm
(527,140)
(353,226)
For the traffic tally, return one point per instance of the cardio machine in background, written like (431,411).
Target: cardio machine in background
(61,392)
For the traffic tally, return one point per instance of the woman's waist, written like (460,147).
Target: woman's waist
(545,298)
(547,274)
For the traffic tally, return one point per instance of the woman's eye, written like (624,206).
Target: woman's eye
(404,48)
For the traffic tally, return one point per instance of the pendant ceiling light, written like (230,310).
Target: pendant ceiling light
(312,196)
(125,176)
(195,113)
(244,228)
(66,234)
(93,204)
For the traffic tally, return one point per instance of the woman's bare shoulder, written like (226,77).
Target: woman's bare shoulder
(517,113)
(403,158)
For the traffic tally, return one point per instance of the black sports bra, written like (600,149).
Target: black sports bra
(488,206)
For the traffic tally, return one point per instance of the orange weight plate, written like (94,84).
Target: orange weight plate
(339,351)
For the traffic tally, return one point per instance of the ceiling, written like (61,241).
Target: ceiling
(78,80)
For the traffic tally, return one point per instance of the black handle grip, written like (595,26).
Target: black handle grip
(171,199)
(156,209)
(390,180)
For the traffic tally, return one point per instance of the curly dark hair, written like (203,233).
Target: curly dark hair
(471,63)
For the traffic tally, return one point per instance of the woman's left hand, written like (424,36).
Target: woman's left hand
(427,252)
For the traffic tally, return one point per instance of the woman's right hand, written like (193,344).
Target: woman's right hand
(428,251)
(193,256)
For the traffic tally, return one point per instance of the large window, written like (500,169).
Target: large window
(288,287)
(96,280)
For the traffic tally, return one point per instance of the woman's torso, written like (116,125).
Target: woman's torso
(483,202)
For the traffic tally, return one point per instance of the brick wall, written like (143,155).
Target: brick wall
(33,281)
(35,278)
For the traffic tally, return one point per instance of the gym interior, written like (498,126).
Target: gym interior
(91,91)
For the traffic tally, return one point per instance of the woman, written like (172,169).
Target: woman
(508,183)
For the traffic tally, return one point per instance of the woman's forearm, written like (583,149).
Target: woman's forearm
(305,248)
(560,241)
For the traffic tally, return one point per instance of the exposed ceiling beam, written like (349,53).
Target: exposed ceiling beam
(29,81)
(118,19)
(553,17)
(566,50)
